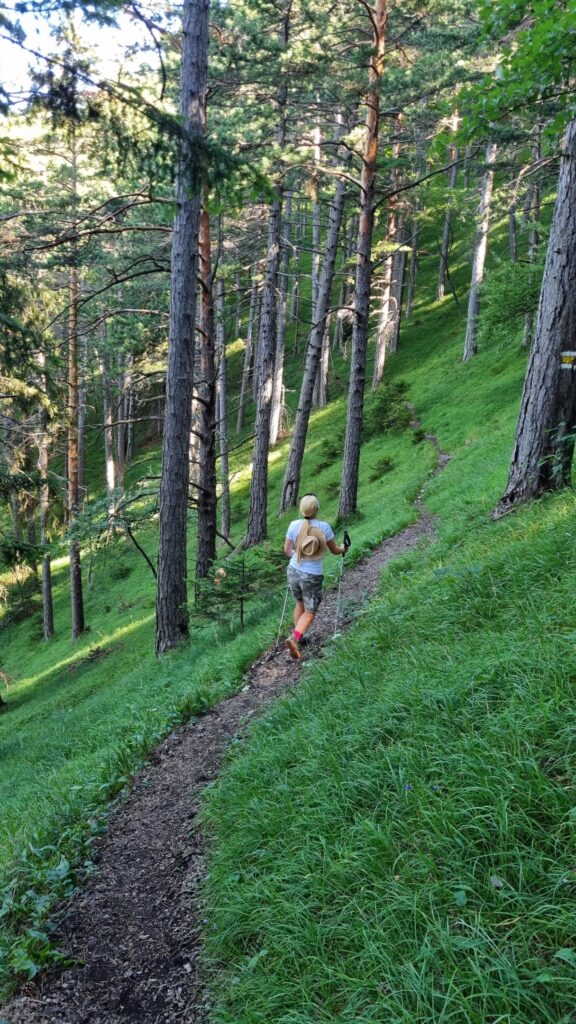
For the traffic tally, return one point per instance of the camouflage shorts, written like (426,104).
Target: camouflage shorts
(305,587)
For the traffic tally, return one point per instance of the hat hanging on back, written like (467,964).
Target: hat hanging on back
(314,545)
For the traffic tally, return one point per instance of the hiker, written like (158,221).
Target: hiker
(307,541)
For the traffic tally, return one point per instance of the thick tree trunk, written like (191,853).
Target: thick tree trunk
(222,409)
(353,438)
(248,352)
(544,444)
(447,233)
(291,483)
(257,513)
(480,249)
(278,388)
(206,500)
(172,597)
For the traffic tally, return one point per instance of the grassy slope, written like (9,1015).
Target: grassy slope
(397,841)
(82,715)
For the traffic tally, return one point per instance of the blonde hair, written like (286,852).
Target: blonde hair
(309,506)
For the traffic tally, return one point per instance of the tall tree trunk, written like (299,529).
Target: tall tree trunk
(386,320)
(353,438)
(257,512)
(172,597)
(47,601)
(195,424)
(82,413)
(257,328)
(109,460)
(544,444)
(533,214)
(397,288)
(414,232)
(222,409)
(291,483)
(447,232)
(248,352)
(278,388)
(206,501)
(77,601)
(480,248)
(121,426)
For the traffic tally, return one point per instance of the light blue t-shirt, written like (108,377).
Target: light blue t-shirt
(316,566)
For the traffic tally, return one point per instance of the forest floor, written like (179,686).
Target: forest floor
(134,932)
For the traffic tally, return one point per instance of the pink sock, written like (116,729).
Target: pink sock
(296,635)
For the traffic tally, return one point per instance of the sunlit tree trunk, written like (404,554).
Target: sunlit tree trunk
(480,249)
(447,232)
(248,352)
(278,388)
(206,498)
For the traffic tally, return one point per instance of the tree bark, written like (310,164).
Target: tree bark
(248,352)
(110,464)
(171,596)
(387,313)
(447,233)
(278,387)
(397,288)
(76,597)
(544,444)
(206,499)
(353,438)
(480,249)
(533,214)
(47,601)
(222,410)
(257,514)
(291,483)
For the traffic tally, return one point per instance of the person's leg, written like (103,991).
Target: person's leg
(304,622)
(298,612)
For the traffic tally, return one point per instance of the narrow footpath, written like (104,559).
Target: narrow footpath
(135,930)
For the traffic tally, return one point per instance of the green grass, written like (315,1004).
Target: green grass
(396,841)
(343,937)
(81,716)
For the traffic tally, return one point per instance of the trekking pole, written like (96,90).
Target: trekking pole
(347,543)
(282,616)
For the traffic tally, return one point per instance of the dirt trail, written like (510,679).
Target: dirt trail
(137,925)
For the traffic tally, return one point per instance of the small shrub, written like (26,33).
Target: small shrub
(383,466)
(120,571)
(387,409)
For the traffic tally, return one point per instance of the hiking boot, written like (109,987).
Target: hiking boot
(292,647)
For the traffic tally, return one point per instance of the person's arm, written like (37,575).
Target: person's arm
(288,547)
(335,548)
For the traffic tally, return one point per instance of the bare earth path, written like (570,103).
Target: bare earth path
(137,926)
